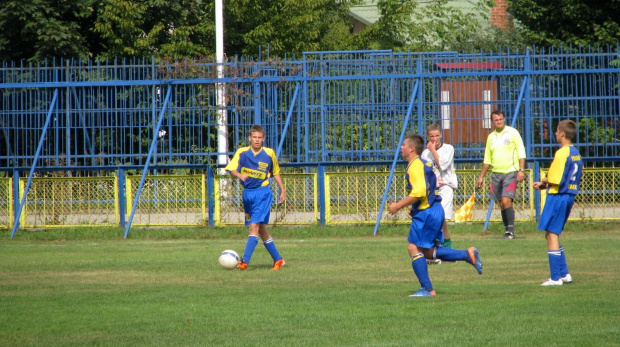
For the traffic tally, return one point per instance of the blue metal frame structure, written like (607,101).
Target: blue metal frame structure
(326,109)
(34,164)
(145,170)
(396,155)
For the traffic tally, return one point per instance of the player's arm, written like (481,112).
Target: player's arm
(406,201)
(446,159)
(556,170)
(275,171)
(521,172)
(239,175)
(558,165)
(542,184)
(418,187)
(233,167)
(486,162)
(521,153)
(278,180)
(431,148)
(485,168)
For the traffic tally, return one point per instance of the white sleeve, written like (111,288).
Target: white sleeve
(446,157)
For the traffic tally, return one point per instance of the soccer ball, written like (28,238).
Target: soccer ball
(229,259)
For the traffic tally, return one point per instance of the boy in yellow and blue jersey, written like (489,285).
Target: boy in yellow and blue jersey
(562,183)
(427,217)
(255,165)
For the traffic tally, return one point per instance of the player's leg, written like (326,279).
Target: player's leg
(552,220)
(505,188)
(250,246)
(446,235)
(469,255)
(569,200)
(420,269)
(508,216)
(555,259)
(271,247)
(256,212)
(447,203)
(566,277)
(424,230)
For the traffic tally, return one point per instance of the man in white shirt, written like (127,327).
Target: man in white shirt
(442,155)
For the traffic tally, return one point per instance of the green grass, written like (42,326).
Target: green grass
(340,287)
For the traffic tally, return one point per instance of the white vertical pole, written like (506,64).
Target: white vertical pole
(222,117)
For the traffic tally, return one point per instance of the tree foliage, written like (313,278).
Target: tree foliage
(98,29)
(37,29)
(286,27)
(407,25)
(577,22)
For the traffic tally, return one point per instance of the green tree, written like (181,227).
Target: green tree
(406,25)
(577,22)
(174,28)
(286,27)
(449,29)
(39,29)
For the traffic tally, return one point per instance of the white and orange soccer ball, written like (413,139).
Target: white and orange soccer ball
(229,259)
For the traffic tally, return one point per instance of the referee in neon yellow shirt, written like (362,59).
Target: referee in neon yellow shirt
(505,153)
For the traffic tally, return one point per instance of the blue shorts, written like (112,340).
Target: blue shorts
(555,213)
(257,205)
(426,226)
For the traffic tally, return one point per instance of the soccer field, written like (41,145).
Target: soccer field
(341,287)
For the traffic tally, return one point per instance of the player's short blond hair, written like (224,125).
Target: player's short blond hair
(257,129)
(432,127)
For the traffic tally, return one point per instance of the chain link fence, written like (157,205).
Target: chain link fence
(168,200)
(349,197)
(65,201)
(6,199)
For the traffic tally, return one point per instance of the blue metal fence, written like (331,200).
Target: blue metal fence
(328,107)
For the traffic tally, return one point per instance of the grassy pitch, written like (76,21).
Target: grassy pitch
(340,287)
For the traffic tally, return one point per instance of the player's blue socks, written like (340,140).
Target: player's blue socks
(420,268)
(555,264)
(564,266)
(250,246)
(449,254)
(271,248)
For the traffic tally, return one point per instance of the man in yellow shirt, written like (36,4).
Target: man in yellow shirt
(505,153)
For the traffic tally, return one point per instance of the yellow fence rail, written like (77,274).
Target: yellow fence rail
(349,198)
(168,200)
(64,201)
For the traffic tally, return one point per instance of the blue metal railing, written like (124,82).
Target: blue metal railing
(337,107)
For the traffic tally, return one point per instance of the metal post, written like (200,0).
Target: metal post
(322,194)
(34,163)
(396,153)
(148,160)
